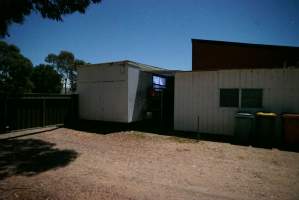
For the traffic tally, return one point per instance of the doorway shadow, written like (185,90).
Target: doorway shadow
(28,157)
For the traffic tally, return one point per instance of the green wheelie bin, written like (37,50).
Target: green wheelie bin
(244,127)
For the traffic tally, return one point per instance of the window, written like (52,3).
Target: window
(159,82)
(252,98)
(229,97)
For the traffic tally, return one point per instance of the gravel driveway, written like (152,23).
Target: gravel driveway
(68,164)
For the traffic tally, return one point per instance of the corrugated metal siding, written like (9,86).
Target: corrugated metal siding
(112,92)
(103,92)
(183,93)
(36,110)
(139,83)
(197,96)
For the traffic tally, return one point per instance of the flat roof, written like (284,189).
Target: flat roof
(141,66)
(220,42)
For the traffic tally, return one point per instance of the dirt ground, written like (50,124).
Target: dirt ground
(68,164)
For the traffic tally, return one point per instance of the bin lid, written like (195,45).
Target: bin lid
(245,115)
(291,116)
(263,114)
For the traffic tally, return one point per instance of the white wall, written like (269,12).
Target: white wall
(138,84)
(197,96)
(103,92)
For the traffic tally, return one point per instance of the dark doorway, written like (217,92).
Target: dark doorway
(161,101)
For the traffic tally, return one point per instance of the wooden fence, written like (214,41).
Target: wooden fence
(36,110)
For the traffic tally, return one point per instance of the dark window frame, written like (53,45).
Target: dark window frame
(224,100)
(248,101)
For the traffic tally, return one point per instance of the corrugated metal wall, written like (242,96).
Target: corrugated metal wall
(139,83)
(36,110)
(197,96)
(112,92)
(103,92)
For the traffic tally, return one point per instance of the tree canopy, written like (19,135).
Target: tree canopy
(66,64)
(45,79)
(15,70)
(17,74)
(14,11)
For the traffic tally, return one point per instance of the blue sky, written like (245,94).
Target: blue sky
(157,32)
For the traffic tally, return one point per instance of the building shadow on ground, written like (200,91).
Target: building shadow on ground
(101,127)
(291,148)
(148,126)
(29,157)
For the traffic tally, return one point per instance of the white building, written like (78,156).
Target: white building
(206,101)
(115,91)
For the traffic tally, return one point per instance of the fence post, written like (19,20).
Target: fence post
(44,112)
(6,128)
(72,119)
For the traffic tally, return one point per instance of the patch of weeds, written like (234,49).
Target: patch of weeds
(241,157)
(275,162)
(177,139)
(138,134)
(257,175)
(181,150)
(181,140)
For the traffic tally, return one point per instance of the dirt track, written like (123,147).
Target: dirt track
(68,164)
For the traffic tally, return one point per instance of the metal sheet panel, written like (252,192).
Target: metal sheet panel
(184,118)
(139,83)
(103,92)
